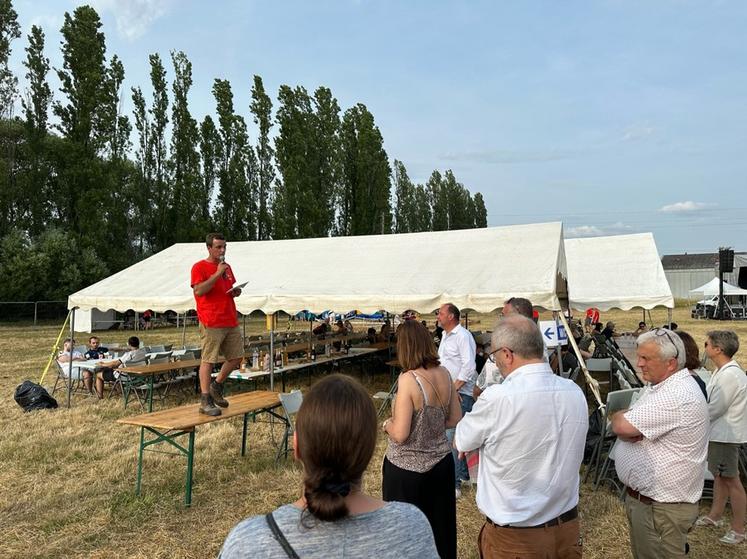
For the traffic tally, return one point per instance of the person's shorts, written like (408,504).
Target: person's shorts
(723,459)
(217,342)
(78,372)
(107,373)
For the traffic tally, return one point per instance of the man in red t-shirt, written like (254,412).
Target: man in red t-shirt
(592,317)
(212,283)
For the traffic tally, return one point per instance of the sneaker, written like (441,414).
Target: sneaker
(216,393)
(708,521)
(732,537)
(458,493)
(207,406)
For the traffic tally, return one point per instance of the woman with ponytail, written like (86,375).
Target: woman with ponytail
(335,439)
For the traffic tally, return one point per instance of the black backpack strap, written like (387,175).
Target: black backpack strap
(278,535)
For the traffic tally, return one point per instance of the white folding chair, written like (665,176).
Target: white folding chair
(291,403)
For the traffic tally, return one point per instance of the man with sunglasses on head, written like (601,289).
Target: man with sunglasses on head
(661,450)
(530,430)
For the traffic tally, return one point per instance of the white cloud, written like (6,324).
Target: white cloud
(133,17)
(618,228)
(687,206)
(637,132)
(583,231)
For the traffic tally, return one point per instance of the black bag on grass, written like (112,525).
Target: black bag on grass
(31,396)
(596,419)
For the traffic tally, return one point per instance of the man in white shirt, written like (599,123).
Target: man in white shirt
(457,353)
(661,449)
(531,431)
(727,408)
(68,355)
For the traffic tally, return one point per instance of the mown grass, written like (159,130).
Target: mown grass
(68,475)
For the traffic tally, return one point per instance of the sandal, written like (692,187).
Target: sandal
(732,537)
(708,521)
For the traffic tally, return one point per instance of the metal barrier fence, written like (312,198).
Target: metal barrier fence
(14,311)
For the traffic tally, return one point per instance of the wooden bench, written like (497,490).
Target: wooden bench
(168,425)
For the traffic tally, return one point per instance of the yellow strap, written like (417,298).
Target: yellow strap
(54,348)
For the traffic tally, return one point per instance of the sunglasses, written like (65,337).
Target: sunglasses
(665,332)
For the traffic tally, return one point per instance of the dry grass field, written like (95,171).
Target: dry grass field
(67,475)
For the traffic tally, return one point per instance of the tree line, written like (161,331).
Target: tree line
(86,190)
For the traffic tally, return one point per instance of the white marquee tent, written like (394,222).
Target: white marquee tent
(621,271)
(711,288)
(476,269)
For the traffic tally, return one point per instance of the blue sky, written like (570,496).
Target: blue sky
(613,116)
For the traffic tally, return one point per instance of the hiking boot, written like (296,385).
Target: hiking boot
(216,393)
(207,406)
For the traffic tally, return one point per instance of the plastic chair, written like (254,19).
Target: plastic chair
(386,398)
(616,401)
(291,403)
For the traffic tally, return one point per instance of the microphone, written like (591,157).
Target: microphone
(222,259)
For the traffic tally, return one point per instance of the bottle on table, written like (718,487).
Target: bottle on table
(255,360)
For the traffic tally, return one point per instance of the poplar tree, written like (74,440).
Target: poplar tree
(438,201)
(82,122)
(36,105)
(184,163)
(404,191)
(366,184)
(208,156)
(293,144)
(261,108)
(481,213)
(234,212)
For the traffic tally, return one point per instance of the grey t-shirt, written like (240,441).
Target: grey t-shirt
(397,530)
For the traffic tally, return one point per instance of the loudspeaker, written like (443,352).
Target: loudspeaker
(726,260)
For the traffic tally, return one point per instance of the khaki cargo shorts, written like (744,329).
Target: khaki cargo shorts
(723,459)
(217,342)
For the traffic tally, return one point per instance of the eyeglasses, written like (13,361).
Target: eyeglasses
(491,355)
(665,332)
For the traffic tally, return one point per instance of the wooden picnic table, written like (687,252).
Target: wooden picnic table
(155,369)
(168,425)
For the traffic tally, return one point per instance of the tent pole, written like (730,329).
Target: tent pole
(271,356)
(558,348)
(669,317)
(184,328)
(70,361)
(590,381)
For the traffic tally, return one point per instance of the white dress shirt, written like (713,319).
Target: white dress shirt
(667,465)
(531,431)
(727,404)
(457,353)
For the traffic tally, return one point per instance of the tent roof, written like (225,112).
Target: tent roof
(475,269)
(621,271)
(711,288)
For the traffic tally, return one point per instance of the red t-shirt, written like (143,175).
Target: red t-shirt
(215,309)
(593,314)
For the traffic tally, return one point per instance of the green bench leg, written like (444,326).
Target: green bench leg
(140,461)
(190,464)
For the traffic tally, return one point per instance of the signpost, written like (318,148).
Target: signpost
(553,334)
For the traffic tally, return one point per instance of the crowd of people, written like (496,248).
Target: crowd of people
(527,424)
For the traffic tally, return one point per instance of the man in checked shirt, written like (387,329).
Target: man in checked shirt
(661,450)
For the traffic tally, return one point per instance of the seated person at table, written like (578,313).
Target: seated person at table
(64,358)
(371,335)
(321,329)
(339,331)
(642,327)
(385,332)
(335,439)
(107,372)
(569,360)
(348,327)
(95,349)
